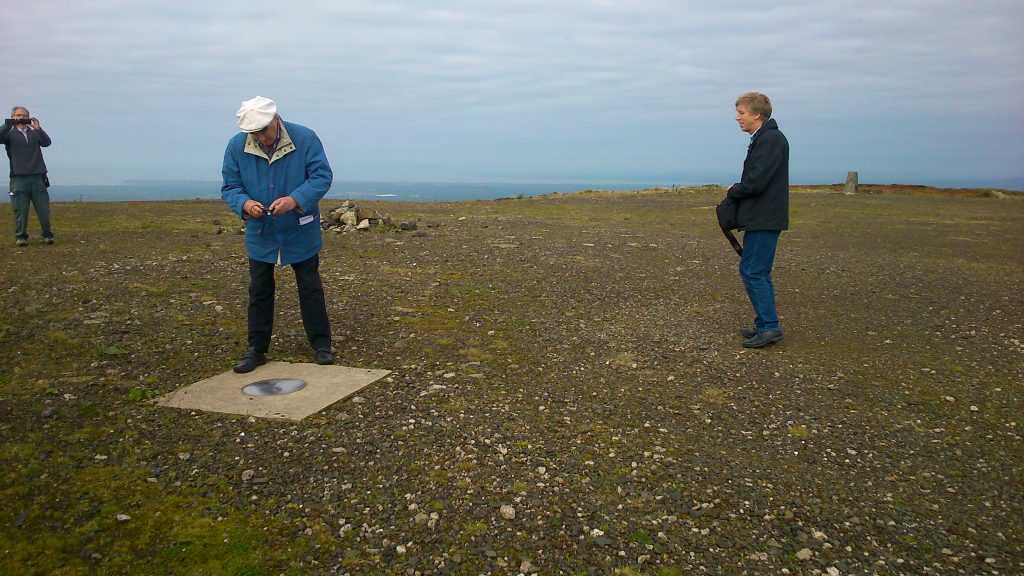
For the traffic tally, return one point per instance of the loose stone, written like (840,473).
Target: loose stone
(508,512)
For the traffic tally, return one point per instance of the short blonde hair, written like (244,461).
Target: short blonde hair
(756,103)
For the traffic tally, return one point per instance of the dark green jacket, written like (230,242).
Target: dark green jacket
(26,155)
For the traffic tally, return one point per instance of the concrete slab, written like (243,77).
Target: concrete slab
(325,385)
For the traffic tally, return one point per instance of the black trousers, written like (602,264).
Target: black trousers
(311,303)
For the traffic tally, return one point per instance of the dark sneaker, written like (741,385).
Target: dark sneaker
(324,357)
(48,240)
(763,339)
(21,242)
(250,361)
(748,333)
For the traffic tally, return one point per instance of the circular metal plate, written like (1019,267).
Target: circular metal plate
(273,387)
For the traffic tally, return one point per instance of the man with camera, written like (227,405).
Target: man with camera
(275,174)
(24,140)
(762,213)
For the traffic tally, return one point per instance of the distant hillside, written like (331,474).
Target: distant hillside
(911,190)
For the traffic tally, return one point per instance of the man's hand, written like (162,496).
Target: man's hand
(252,208)
(35,124)
(283,204)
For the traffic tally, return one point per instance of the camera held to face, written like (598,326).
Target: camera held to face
(13,121)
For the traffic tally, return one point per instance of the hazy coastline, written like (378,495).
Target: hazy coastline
(146,190)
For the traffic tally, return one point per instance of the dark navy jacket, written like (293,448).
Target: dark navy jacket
(763,189)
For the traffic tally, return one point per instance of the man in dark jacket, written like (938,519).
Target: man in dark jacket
(762,195)
(24,138)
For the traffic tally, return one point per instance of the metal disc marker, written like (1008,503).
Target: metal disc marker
(273,387)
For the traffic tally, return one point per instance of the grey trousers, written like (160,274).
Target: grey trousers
(26,189)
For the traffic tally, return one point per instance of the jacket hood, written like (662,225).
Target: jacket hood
(769,124)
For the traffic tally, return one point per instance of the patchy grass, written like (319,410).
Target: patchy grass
(591,334)
(106,519)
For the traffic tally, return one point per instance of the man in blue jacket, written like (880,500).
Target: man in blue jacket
(275,174)
(762,195)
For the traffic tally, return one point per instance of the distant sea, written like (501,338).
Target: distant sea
(141,190)
(397,191)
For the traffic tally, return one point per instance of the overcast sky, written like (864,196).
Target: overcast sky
(916,91)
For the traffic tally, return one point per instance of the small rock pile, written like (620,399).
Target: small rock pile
(349,218)
(345,218)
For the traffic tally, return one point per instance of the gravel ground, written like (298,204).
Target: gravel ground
(569,394)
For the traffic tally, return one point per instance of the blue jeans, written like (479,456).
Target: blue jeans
(756,271)
(25,190)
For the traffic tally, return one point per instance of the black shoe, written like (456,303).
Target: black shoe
(324,357)
(48,240)
(763,339)
(748,333)
(250,361)
(21,242)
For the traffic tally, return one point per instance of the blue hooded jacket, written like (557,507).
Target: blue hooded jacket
(300,169)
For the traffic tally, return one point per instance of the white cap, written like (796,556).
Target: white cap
(256,114)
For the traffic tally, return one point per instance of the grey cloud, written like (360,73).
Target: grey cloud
(500,87)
